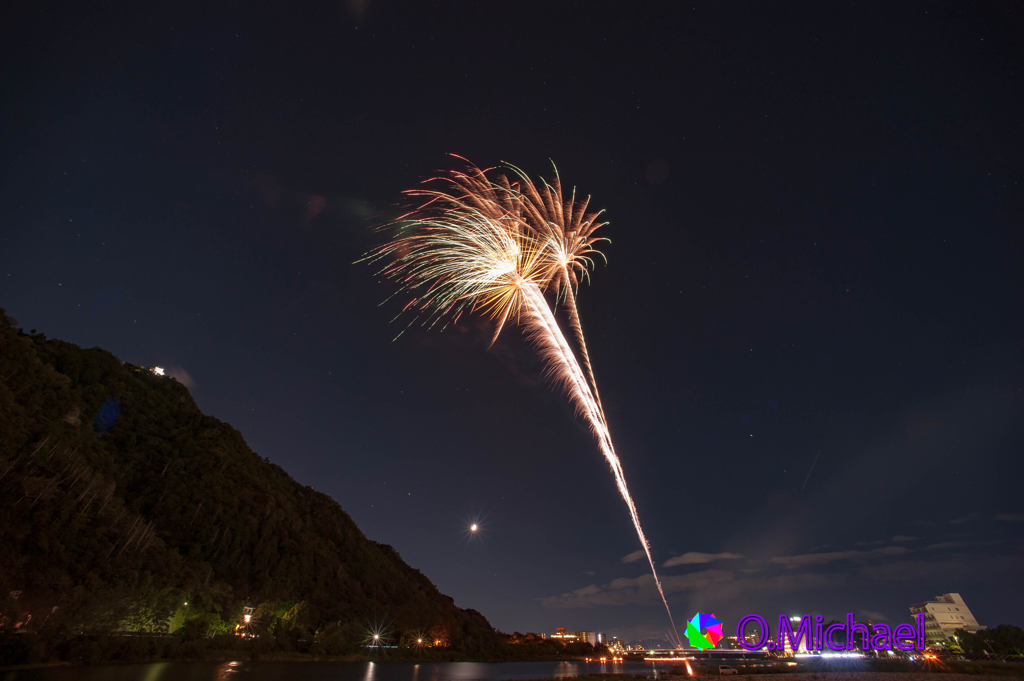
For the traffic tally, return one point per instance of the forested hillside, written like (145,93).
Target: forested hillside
(120,502)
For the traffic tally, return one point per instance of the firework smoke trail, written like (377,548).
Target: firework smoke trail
(544,332)
(489,246)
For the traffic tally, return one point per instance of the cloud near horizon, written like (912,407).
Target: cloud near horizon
(867,570)
(634,557)
(696,558)
(711,583)
(961,544)
(808,559)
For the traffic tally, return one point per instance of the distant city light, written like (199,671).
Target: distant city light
(159,371)
(472,528)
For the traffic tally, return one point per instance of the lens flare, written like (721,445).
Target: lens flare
(496,246)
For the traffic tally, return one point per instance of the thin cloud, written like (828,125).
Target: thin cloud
(903,538)
(738,586)
(807,559)
(634,557)
(960,544)
(938,567)
(696,558)
(1010,517)
(966,519)
(632,590)
(724,584)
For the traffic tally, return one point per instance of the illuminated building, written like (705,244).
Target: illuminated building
(732,643)
(943,616)
(562,636)
(788,649)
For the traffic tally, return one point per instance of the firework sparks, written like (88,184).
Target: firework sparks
(496,246)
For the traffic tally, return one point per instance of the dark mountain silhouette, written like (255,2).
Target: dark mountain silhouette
(120,502)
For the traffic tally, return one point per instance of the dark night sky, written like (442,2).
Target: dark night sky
(815,215)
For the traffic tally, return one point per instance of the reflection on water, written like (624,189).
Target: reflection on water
(328,671)
(156,671)
(565,669)
(225,671)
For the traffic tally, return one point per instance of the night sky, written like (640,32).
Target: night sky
(808,337)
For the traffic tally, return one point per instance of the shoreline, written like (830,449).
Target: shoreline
(258,658)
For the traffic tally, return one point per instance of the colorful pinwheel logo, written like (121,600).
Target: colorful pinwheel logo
(712,631)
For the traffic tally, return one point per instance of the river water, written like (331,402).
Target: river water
(333,671)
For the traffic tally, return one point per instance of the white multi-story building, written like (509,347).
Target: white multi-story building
(943,616)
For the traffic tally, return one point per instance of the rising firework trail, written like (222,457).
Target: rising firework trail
(496,246)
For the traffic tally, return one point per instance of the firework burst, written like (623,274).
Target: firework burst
(569,229)
(495,246)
